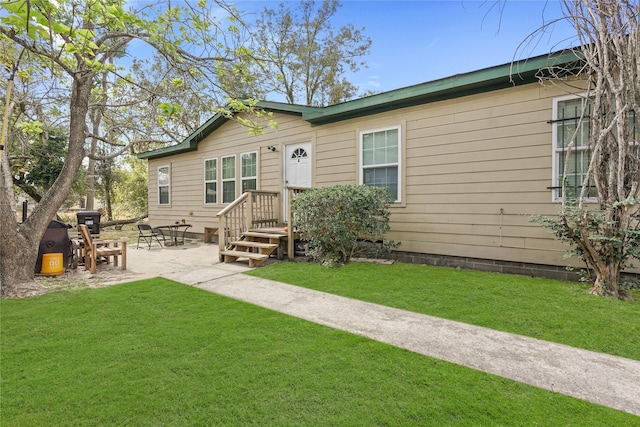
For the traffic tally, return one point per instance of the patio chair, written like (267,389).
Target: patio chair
(96,249)
(148,233)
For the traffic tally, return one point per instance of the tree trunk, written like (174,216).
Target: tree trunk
(15,258)
(95,116)
(121,222)
(607,281)
(5,168)
(29,190)
(107,194)
(19,242)
(91,183)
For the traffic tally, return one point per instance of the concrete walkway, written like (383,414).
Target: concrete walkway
(603,379)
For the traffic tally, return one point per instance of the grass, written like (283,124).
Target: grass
(551,310)
(158,353)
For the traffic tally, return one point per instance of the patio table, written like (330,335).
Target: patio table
(175,232)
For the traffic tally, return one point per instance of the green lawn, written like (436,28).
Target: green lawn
(551,310)
(159,353)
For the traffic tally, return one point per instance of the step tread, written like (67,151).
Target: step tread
(264,235)
(251,244)
(242,254)
(269,231)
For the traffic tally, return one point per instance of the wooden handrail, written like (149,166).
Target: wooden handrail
(233,204)
(254,209)
(227,228)
(291,193)
(251,208)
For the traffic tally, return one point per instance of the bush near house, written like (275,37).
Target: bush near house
(333,219)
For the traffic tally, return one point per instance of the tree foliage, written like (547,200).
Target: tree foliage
(77,45)
(333,219)
(607,236)
(37,166)
(301,56)
(130,198)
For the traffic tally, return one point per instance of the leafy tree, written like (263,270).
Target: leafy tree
(36,141)
(154,109)
(130,198)
(76,43)
(36,169)
(607,236)
(333,219)
(108,177)
(301,56)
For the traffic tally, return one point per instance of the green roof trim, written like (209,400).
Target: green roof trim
(284,108)
(192,141)
(485,80)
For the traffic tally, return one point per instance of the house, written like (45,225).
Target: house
(468,159)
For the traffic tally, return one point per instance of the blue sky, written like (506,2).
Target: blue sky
(424,40)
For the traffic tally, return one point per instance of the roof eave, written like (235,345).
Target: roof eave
(284,108)
(190,143)
(486,80)
(489,79)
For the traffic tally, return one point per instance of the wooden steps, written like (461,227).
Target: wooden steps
(255,260)
(263,248)
(263,235)
(254,245)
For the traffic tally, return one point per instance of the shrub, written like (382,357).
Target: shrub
(332,219)
(607,240)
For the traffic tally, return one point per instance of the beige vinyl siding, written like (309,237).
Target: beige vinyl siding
(473,171)
(152,189)
(464,160)
(336,148)
(187,183)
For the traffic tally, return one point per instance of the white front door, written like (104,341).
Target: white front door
(297,169)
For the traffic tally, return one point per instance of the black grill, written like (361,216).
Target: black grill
(55,240)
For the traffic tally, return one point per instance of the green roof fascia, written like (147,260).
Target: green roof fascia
(485,80)
(284,108)
(192,141)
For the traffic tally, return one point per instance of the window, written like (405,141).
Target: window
(299,153)
(228,179)
(380,160)
(567,113)
(566,120)
(164,183)
(249,171)
(211,181)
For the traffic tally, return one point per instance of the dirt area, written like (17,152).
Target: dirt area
(142,263)
(193,259)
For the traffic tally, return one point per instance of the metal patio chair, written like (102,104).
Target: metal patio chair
(148,233)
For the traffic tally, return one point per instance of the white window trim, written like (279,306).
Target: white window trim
(243,178)
(168,167)
(399,163)
(205,181)
(223,180)
(556,193)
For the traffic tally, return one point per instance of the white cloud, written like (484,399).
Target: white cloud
(373,81)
